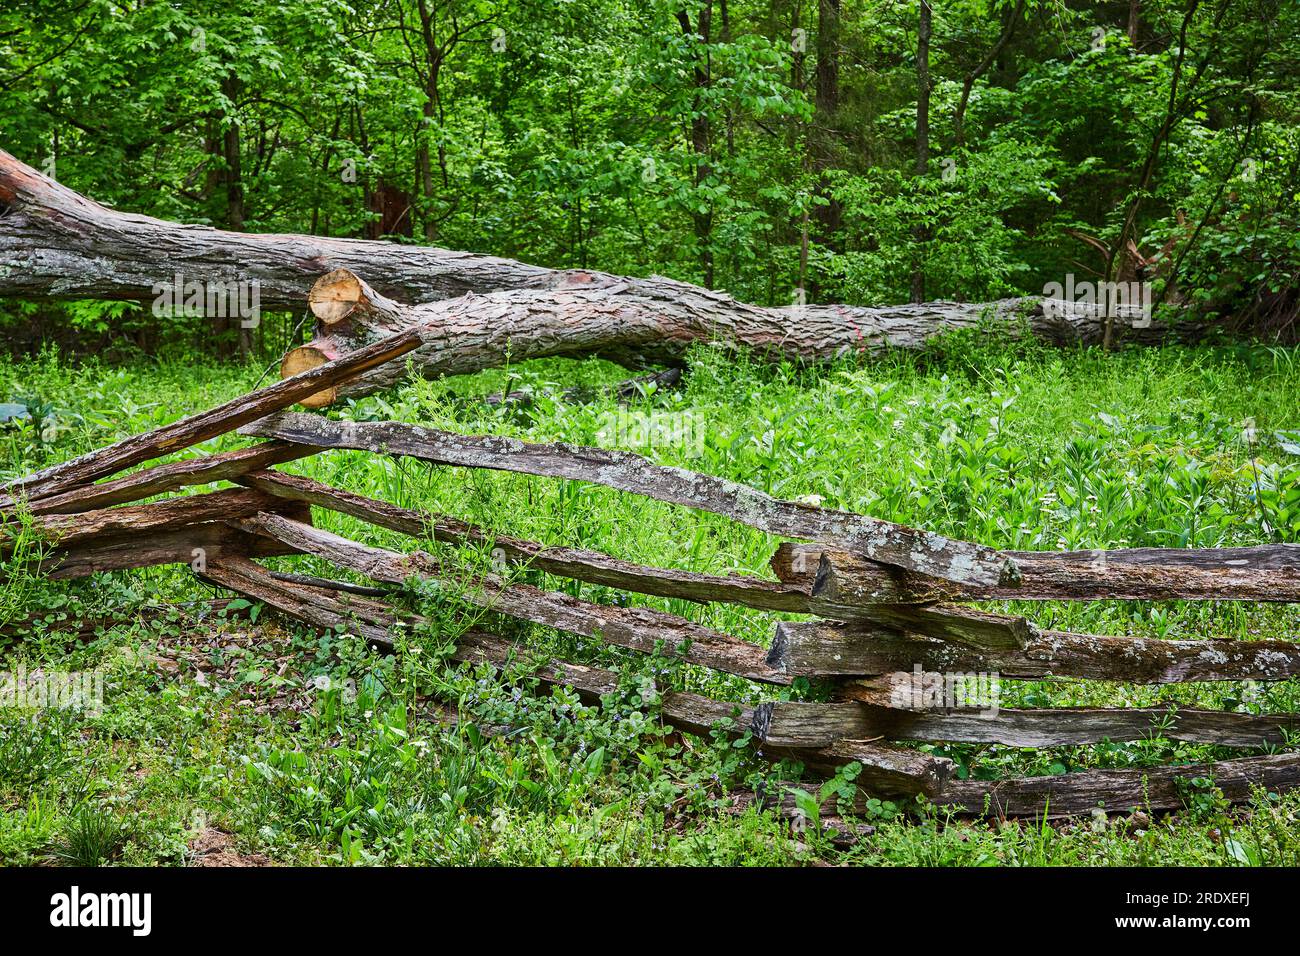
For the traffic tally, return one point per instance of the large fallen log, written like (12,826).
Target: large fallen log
(57,243)
(885,541)
(193,429)
(843,583)
(637,322)
(580,564)
(865,650)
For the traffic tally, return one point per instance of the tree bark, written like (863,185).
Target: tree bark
(232,174)
(163,478)
(640,322)
(819,648)
(885,541)
(56,243)
(167,546)
(827,102)
(922,137)
(1008,28)
(840,581)
(701,139)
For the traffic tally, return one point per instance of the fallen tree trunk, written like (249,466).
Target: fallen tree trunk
(637,322)
(57,243)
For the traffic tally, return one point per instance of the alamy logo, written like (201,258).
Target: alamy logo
(681,431)
(74,909)
(932,690)
(1108,299)
(219,300)
(61,690)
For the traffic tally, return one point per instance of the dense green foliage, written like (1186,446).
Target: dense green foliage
(772,148)
(221,722)
(701,139)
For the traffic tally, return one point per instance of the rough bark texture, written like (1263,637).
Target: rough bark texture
(169,477)
(56,243)
(143,520)
(866,650)
(646,321)
(961,625)
(843,582)
(182,545)
(1082,725)
(892,543)
(1117,791)
(581,564)
(796,724)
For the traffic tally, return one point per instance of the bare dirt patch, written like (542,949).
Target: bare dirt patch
(214,847)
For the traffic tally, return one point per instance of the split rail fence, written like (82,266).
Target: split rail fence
(887,601)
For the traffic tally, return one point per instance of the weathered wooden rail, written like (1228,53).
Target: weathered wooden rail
(891,622)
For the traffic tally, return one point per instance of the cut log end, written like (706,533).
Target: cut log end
(335,295)
(301,359)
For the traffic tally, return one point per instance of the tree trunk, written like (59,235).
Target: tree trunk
(642,321)
(701,138)
(55,243)
(1012,17)
(827,101)
(922,137)
(234,180)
